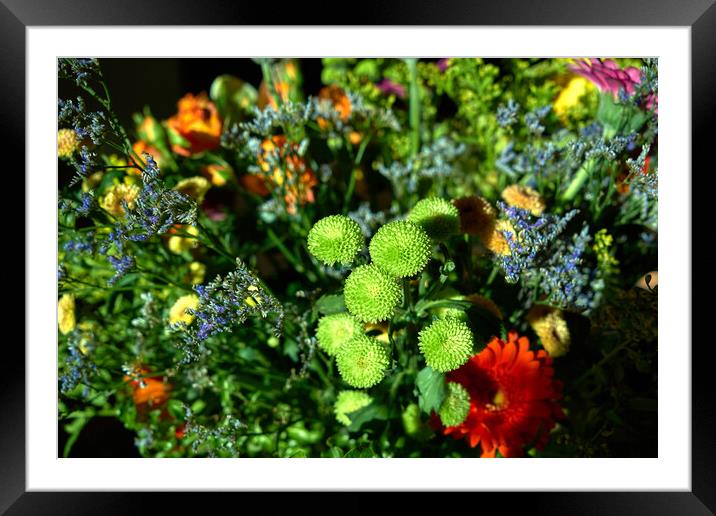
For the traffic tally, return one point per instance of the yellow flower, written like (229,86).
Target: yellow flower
(496,241)
(570,95)
(179,244)
(112,201)
(253,300)
(549,325)
(178,312)
(197,271)
(218,174)
(195,187)
(66,313)
(524,197)
(67,143)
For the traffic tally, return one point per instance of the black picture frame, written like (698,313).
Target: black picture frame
(699,15)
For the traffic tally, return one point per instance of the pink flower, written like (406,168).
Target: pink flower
(607,76)
(388,86)
(443,64)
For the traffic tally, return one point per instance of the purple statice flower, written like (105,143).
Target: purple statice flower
(225,303)
(389,87)
(530,239)
(609,77)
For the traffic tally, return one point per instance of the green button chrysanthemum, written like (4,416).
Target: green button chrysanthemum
(348,402)
(455,406)
(446,344)
(438,217)
(335,330)
(362,361)
(400,248)
(335,239)
(371,294)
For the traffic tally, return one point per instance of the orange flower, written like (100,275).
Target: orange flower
(254,184)
(148,392)
(513,398)
(219,175)
(140,147)
(198,122)
(336,97)
(289,173)
(281,88)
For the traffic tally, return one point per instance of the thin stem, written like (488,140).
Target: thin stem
(414,99)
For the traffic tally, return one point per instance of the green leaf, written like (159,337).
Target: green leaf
(369,413)
(330,304)
(363,452)
(432,390)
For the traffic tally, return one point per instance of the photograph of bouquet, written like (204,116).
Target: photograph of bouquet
(357,257)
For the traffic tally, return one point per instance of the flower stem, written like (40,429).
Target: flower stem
(414,114)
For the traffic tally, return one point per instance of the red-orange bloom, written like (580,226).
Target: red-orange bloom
(152,392)
(513,398)
(198,122)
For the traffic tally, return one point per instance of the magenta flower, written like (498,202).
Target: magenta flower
(607,76)
(387,86)
(443,64)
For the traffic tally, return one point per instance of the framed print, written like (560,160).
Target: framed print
(359,258)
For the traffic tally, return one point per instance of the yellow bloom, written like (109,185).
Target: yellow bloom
(570,95)
(197,271)
(179,244)
(178,312)
(549,325)
(253,300)
(66,313)
(218,174)
(112,201)
(195,187)
(496,241)
(524,197)
(67,143)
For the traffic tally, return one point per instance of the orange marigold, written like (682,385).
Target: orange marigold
(198,122)
(513,398)
(140,147)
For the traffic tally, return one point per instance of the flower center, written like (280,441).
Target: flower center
(499,401)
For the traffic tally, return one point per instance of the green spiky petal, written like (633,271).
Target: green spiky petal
(400,248)
(446,344)
(348,402)
(335,330)
(371,294)
(438,217)
(363,361)
(455,406)
(335,239)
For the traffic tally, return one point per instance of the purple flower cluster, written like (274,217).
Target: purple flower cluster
(530,240)
(226,303)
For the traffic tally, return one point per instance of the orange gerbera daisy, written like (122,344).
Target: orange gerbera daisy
(513,398)
(198,122)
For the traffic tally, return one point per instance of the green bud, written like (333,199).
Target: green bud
(438,217)
(363,361)
(400,248)
(335,239)
(446,344)
(371,294)
(348,402)
(455,406)
(335,330)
